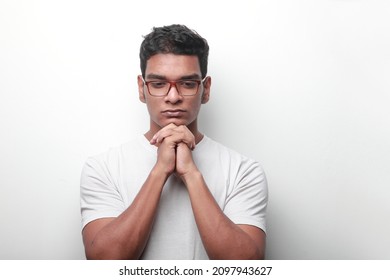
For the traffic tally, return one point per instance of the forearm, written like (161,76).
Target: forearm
(125,237)
(221,238)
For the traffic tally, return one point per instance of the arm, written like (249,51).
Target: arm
(125,237)
(221,237)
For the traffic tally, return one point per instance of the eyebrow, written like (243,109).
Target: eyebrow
(186,77)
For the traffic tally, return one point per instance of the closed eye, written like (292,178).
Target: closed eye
(188,84)
(158,84)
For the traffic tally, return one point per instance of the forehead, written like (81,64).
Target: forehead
(172,65)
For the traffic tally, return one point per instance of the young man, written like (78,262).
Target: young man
(173,193)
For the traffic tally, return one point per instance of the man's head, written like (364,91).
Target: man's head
(174,39)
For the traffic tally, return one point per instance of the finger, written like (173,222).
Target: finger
(172,138)
(162,133)
(188,137)
(181,133)
(170,130)
(185,136)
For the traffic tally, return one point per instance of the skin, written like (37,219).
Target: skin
(174,130)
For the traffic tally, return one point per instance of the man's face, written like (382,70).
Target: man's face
(173,107)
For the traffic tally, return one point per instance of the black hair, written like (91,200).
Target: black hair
(175,39)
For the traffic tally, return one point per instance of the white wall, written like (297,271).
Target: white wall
(302,86)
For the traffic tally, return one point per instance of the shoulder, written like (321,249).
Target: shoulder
(234,159)
(219,149)
(114,155)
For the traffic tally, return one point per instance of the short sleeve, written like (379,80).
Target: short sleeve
(99,196)
(247,202)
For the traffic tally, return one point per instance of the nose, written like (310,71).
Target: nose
(173,95)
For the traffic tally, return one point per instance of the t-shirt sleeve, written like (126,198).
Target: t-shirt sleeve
(247,202)
(99,196)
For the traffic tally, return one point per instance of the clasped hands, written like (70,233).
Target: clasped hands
(174,155)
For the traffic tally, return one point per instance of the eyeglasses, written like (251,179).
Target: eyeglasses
(183,87)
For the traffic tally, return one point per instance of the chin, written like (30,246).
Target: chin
(176,122)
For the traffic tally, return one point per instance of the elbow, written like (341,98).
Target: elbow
(95,253)
(255,254)
(98,251)
(248,254)
(258,255)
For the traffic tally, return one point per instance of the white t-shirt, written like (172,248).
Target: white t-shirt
(110,182)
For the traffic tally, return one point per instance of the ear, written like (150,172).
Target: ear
(206,90)
(141,89)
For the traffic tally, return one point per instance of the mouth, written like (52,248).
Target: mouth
(173,113)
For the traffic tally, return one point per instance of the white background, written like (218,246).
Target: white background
(301,86)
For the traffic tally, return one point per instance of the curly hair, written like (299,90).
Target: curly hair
(175,39)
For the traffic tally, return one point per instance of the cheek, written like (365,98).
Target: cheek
(152,108)
(195,108)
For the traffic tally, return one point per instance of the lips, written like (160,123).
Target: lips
(173,113)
